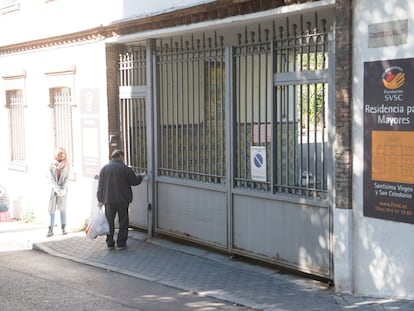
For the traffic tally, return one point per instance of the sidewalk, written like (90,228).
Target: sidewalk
(209,273)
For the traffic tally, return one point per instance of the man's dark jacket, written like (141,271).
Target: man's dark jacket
(115,181)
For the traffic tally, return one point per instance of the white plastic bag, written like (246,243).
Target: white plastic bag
(98,225)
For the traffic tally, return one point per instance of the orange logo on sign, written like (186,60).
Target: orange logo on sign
(393,78)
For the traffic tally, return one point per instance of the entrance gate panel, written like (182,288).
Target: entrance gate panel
(280,205)
(134,126)
(190,110)
(287,233)
(191,125)
(192,212)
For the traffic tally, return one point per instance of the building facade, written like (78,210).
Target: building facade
(247,117)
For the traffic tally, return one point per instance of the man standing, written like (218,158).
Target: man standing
(114,191)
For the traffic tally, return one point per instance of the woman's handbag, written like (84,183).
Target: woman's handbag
(98,225)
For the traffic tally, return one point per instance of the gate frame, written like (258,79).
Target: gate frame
(153,179)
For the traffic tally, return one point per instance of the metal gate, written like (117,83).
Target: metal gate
(242,159)
(133,95)
(281,152)
(280,96)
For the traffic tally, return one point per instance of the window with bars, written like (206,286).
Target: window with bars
(15,105)
(62,127)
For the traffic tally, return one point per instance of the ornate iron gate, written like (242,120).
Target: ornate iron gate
(133,94)
(218,98)
(281,84)
(191,118)
(132,106)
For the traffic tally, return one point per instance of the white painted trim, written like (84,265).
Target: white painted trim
(230,21)
(69,70)
(13,76)
(10,8)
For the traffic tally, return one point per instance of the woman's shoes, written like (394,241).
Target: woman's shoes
(49,232)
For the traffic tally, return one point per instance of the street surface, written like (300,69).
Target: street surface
(73,272)
(32,280)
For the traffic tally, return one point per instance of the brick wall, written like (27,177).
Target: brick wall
(343,98)
(112,65)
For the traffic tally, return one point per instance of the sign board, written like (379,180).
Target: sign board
(90,131)
(389,140)
(387,34)
(258,163)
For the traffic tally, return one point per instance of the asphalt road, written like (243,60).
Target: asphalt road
(31,280)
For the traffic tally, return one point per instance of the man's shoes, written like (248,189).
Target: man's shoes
(121,247)
(110,242)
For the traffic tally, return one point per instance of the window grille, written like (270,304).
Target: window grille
(134,129)
(132,106)
(253,124)
(61,105)
(281,85)
(190,109)
(15,104)
(132,66)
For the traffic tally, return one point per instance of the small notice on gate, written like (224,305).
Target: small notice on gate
(258,163)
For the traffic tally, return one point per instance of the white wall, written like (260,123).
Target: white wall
(40,18)
(383,250)
(147,8)
(29,190)
(372,256)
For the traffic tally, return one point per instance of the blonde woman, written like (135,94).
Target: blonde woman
(59,176)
